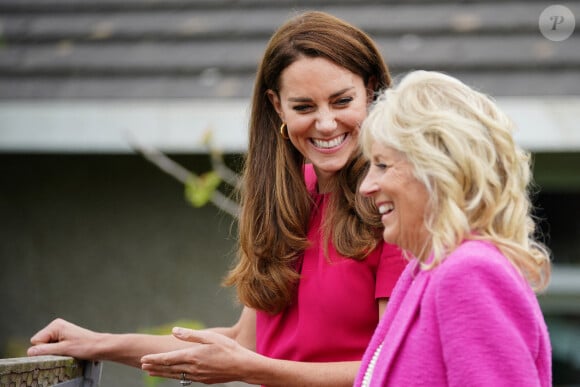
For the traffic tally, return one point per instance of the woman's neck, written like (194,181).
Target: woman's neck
(324,181)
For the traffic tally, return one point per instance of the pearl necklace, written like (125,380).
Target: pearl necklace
(366,382)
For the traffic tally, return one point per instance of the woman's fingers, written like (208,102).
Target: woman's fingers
(212,360)
(203,362)
(172,371)
(167,359)
(49,333)
(196,336)
(63,338)
(47,349)
(50,339)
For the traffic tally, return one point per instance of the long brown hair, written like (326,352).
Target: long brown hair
(275,204)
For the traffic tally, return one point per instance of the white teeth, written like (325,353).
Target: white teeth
(329,144)
(384,208)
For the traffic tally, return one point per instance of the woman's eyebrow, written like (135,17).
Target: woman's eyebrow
(333,95)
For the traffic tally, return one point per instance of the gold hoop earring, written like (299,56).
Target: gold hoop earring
(282,127)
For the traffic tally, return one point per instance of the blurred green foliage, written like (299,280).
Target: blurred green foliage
(200,189)
(15,347)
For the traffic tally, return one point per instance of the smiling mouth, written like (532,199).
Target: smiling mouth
(386,208)
(330,143)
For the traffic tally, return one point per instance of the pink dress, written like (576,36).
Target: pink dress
(335,312)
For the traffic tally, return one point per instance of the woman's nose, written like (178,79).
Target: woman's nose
(367,186)
(326,121)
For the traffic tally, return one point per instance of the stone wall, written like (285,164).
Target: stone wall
(45,371)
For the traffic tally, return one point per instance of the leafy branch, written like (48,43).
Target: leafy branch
(199,189)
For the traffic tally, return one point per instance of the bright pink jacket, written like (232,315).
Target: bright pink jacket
(472,321)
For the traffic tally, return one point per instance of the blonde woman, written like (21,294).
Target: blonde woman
(451,186)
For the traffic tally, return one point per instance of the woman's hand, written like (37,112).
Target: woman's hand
(61,337)
(217,358)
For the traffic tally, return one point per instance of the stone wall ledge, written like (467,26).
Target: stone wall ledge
(48,371)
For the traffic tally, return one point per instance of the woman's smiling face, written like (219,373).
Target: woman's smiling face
(402,200)
(323,105)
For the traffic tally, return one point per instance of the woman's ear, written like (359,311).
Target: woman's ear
(275,101)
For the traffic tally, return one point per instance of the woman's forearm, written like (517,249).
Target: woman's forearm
(219,359)
(284,373)
(131,347)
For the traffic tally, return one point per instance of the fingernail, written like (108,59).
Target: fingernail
(177,330)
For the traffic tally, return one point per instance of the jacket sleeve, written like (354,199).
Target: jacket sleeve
(489,325)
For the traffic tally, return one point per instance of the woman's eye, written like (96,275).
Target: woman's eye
(344,101)
(301,108)
(381,166)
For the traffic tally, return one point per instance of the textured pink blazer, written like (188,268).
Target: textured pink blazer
(472,321)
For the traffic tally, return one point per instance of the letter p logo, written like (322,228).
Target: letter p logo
(557,23)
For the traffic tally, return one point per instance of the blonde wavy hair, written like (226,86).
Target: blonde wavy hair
(462,149)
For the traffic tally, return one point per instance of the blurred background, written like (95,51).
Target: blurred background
(92,231)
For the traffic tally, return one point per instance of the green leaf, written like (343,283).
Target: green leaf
(200,189)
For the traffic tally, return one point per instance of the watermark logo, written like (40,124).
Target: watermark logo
(557,23)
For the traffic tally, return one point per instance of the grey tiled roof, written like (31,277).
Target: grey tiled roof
(140,49)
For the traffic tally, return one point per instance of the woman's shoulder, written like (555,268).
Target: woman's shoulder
(477,260)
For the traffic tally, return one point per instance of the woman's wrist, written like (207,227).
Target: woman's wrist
(257,369)
(122,348)
(104,346)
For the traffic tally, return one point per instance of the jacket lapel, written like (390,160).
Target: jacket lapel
(401,321)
